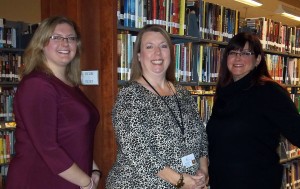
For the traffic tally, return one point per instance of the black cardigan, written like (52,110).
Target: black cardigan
(244,132)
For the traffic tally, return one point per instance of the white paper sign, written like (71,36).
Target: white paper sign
(90,77)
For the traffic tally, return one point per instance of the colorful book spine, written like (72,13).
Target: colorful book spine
(127,16)
(175,17)
(132,11)
(1,32)
(182,25)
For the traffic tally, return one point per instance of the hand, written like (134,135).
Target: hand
(205,177)
(92,185)
(200,181)
(96,178)
(193,182)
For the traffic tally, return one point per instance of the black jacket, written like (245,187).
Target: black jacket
(244,132)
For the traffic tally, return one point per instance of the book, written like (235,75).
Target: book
(154,12)
(7,146)
(182,25)
(139,13)
(162,12)
(120,12)
(1,148)
(175,17)
(168,15)
(192,22)
(132,11)
(127,13)
(1,32)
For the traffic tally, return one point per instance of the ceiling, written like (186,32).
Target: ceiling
(266,10)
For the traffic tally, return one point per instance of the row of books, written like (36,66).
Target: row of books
(216,22)
(194,62)
(6,104)
(287,150)
(295,96)
(291,175)
(7,150)
(170,13)
(197,62)
(9,67)
(275,35)
(207,61)
(200,62)
(284,69)
(125,51)
(8,36)
(205,104)
(3,176)
(199,19)
(15,34)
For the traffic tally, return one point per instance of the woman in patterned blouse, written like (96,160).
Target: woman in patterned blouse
(161,140)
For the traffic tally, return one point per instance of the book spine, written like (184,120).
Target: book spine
(139,13)
(127,16)
(1,148)
(132,11)
(162,13)
(1,32)
(154,12)
(182,26)
(167,18)
(200,66)
(177,60)
(149,12)
(7,143)
(121,56)
(129,47)
(175,17)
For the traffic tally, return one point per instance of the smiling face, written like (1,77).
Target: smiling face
(59,53)
(240,65)
(154,55)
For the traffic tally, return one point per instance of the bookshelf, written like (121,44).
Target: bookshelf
(11,50)
(10,59)
(282,53)
(99,30)
(7,149)
(290,159)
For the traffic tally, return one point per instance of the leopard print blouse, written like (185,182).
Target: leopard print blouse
(149,138)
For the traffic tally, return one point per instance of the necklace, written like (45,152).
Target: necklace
(179,122)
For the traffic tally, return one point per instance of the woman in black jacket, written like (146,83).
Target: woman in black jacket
(250,113)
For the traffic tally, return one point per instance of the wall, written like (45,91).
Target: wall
(28,11)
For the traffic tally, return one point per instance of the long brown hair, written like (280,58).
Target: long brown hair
(260,73)
(34,58)
(136,68)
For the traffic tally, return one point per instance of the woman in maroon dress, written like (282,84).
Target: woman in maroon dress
(55,120)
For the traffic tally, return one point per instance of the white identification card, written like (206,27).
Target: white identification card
(188,161)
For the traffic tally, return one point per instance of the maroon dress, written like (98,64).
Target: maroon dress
(55,128)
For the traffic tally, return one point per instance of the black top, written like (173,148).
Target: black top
(244,132)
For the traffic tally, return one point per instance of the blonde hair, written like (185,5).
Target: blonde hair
(34,57)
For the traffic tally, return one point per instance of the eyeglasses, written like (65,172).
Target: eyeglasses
(58,38)
(243,54)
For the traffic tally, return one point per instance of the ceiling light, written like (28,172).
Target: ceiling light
(250,2)
(288,12)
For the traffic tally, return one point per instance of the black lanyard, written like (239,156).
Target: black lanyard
(179,123)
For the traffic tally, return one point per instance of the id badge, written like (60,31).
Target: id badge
(188,160)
